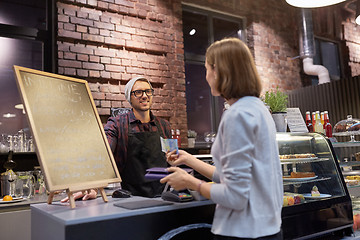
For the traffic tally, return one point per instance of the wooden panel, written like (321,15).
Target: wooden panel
(340,98)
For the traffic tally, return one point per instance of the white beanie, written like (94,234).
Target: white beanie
(130,84)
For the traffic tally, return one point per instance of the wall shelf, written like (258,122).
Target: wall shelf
(346,144)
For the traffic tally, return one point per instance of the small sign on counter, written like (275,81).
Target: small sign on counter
(295,120)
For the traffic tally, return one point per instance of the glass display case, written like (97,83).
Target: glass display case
(316,199)
(348,155)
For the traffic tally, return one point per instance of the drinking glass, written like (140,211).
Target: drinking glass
(212,137)
(25,184)
(10,142)
(17,143)
(209,137)
(30,144)
(4,146)
(39,185)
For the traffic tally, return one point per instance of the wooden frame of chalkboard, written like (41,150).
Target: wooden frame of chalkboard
(71,144)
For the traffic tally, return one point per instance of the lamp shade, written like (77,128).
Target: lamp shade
(313,3)
(357,16)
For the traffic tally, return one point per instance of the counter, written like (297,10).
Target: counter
(96,219)
(15,214)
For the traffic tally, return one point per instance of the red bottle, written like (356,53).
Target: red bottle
(313,118)
(327,125)
(308,122)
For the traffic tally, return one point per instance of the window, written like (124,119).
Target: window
(26,35)
(327,54)
(200,29)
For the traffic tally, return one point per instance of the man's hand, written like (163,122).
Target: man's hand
(85,196)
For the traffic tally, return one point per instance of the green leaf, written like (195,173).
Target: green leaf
(277,101)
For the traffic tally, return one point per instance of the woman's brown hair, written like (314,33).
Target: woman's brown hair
(235,69)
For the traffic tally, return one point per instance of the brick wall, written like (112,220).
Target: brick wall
(352,38)
(107,42)
(272,36)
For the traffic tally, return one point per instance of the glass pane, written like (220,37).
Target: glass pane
(330,57)
(195,32)
(25,53)
(197,99)
(224,28)
(25,13)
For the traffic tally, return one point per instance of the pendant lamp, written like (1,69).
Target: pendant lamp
(357,17)
(312,3)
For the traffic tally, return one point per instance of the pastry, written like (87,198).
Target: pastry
(288,201)
(315,192)
(353,177)
(298,198)
(292,156)
(354,127)
(302,174)
(340,128)
(351,182)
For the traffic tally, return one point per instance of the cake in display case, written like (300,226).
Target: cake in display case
(316,199)
(347,127)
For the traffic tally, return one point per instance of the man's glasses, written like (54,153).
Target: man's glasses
(140,93)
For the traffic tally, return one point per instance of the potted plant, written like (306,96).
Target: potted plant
(191,138)
(277,104)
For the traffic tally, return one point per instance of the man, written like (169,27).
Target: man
(134,139)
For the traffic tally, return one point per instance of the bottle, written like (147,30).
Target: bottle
(308,122)
(313,118)
(327,125)
(8,178)
(318,126)
(172,134)
(177,136)
(322,118)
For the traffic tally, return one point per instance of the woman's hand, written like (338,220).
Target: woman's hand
(179,179)
(178,159)
(86,196)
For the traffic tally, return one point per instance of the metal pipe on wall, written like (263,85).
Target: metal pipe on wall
(307,48)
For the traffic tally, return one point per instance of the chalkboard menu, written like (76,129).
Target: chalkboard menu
(70,141)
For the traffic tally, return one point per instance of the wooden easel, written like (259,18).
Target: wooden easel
(70,192)
(65,160)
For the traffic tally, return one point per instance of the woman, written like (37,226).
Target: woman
(247,174)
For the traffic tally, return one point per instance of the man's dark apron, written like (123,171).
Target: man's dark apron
(143,152)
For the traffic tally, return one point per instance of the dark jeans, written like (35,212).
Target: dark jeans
(277,236)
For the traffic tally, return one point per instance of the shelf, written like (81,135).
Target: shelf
(352,163)
(18,153)
(349,173)
(307,181)
(303,160)
(346,144)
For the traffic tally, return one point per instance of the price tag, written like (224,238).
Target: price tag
(295,120)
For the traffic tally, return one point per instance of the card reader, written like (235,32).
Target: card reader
(175,196)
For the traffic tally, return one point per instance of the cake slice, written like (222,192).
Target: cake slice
(315,192)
